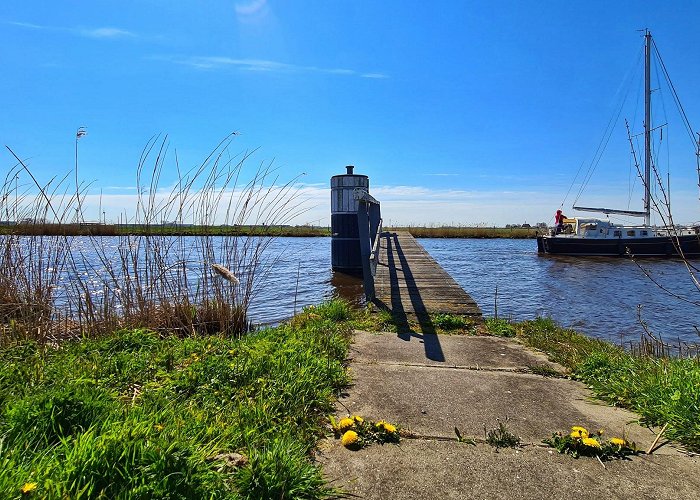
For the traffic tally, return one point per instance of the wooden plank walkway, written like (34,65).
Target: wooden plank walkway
(409,282)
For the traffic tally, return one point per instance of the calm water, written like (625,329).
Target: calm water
(598,296)
(309,260)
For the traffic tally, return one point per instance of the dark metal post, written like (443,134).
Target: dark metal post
(373,222)
(365,237)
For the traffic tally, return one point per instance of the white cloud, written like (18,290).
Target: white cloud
(107,33)
(401,205)
(219,62)
(251,8)
(98,33)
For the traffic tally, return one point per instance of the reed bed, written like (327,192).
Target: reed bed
(55,286)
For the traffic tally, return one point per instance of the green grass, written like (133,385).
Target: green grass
(500,327)
(661,390)
(134,415)
(449,322)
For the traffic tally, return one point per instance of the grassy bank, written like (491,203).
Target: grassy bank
(471,232)
(662,390)
(137,415)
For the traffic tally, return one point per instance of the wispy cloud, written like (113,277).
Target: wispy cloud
(251,7)
(107,33)
(98,33)
(262,65)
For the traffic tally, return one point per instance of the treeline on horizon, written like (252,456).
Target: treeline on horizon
(100,229)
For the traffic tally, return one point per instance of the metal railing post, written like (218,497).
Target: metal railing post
(365,248)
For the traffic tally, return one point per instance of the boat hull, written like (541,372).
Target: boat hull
(657,246)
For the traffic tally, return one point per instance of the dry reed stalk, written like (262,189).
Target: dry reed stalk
(152,281)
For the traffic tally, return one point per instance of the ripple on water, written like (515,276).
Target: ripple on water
(599,296)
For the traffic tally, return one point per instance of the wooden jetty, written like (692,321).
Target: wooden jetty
(408,281)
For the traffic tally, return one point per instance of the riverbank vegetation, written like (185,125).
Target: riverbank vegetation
(54,286)
(31,228)
(473,232)
(663,390)
(136,414)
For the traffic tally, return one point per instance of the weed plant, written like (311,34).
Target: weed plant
(501,437)
(138,415)
(662,390)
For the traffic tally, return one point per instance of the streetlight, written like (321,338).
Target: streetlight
(82,131)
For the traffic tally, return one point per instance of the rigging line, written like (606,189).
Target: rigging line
(686,122)
(607,134)
(571,185)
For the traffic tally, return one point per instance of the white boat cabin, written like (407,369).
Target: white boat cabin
(602,229)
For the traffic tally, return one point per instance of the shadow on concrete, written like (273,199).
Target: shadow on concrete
(431,341)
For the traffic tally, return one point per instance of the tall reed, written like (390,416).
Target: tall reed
(57,286)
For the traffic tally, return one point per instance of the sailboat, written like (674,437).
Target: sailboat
(589,236)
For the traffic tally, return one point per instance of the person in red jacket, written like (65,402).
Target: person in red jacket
(559,221)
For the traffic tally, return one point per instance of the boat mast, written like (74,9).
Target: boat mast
(647,128)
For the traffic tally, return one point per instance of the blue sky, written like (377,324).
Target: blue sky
(460,112)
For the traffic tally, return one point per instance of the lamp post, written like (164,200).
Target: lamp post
(78,134)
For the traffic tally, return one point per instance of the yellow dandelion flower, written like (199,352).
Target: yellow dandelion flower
(380,424)
(28,488)
(349,439)
(618,441)
(389,428)
(579,432)
(358,419)
(345,424)
(593,443)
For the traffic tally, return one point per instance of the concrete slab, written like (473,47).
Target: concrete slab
(432,401)
(429,469)
(457,351)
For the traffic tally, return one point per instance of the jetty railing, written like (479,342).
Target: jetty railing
(369,224)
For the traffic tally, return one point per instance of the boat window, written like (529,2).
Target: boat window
(617,233)
(645,233)
(630,232)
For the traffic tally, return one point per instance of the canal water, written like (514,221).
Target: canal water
(602,297)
